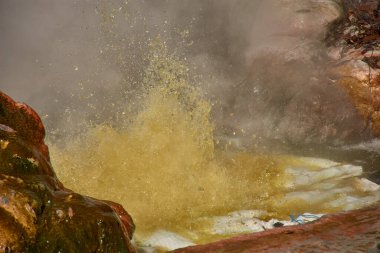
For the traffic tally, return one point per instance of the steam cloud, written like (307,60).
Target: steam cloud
(261,63)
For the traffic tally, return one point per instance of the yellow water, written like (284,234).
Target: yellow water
(163,167)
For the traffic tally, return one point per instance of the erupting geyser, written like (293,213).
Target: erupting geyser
(204,119)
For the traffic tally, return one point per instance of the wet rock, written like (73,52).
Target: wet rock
(24,120)
(354,231)
(357,70)
(37,213)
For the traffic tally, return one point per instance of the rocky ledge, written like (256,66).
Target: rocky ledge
(354,231)
(37,213)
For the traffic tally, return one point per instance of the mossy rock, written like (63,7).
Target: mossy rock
(37,213)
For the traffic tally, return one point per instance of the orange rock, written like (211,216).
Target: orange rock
(37,213)
(354,231)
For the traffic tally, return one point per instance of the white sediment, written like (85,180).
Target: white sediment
(316,181)
(327,180)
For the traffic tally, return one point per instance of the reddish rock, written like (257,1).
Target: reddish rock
(24,120)
(354,231)
(357,68)
(37,213)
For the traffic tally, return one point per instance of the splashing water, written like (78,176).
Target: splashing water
(162,164)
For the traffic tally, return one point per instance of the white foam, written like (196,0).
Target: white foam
(320,162)
(317,195)
(305,176)
(167,240)
(243,222)
(351,202)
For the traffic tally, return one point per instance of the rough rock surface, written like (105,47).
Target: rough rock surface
(37,214)
(354,231)
(354,47)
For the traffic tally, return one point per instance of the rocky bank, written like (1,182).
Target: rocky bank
(37,213)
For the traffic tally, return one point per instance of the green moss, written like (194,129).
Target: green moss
(23,166)
(2,110)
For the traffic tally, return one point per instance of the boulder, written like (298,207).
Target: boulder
(37,213)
